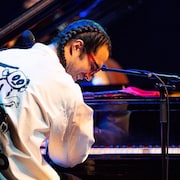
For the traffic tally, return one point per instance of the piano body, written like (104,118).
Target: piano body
(139,156)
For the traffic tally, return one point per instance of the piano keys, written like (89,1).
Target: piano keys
(134,150)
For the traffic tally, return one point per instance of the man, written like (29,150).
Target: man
(40,101)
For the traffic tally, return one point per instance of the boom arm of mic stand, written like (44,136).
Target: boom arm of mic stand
(128,72)
(142,73)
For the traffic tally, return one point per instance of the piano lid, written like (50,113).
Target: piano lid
(45,17)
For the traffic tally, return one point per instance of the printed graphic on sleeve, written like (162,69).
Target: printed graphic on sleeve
(11,79)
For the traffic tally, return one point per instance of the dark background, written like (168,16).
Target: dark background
(148,38)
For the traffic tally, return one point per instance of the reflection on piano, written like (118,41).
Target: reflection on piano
(144,107)
(140,155)
(144,135)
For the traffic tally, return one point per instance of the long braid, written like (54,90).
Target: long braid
(80,29)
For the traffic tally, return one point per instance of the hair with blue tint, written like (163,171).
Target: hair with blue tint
(92,34)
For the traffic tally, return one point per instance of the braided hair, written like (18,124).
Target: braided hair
(89,31)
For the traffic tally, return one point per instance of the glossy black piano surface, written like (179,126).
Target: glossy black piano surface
(144,120)
(138,154)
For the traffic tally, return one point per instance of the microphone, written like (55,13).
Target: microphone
(28,38)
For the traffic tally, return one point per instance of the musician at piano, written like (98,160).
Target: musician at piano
(43,104)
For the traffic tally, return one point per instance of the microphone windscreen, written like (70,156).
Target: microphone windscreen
(28,38)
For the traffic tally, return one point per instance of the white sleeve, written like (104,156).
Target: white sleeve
(71,135)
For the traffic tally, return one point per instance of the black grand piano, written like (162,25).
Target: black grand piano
(137,153)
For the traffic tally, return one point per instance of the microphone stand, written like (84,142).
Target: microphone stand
(164,132)
(164,115)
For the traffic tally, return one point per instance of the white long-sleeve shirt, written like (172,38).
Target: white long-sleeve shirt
(42,102)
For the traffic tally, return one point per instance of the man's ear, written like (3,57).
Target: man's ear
(77,46)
